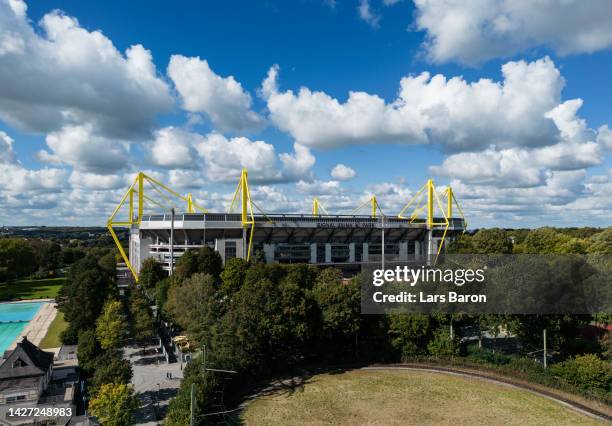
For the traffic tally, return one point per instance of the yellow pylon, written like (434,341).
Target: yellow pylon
(135,213)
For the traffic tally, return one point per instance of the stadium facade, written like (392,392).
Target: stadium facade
(345,241)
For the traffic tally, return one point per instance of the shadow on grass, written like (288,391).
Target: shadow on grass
(26,289)
(285,385)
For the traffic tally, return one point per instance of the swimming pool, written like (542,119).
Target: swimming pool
(13,319)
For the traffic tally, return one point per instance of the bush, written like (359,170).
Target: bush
(585,371)
(487,355)
(70,336)
(442,344)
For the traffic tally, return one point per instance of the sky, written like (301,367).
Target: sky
(506,102)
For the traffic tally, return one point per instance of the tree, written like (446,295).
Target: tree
(410,334)
(161,292)
(108,263)
(210,262)
(151,273)
(340,307)
(186,265)
(299,313)
(110,325)
(302,275)
(47,254)
(17,258)
(233,275)
(205,386)
(572,245)
(193,306)
(110,368)
(88,350)
(543,241)
(82,297)
(114,404)
(71,254)
(491,241)
(601,243)
(143,325)
(252,335)
(461,245)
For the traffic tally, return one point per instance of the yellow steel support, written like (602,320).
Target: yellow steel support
(374,205)
(135,215)
(246,207)
(190,204)
(245,196)
(317,207)
(430,203)
(131,213)
(140,195)
(449,202)
(433,204)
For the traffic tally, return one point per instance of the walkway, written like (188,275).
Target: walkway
(152,385)
(37,327)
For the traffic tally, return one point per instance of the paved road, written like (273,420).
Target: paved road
(152,385)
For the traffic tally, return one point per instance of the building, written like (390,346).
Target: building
(30,378)
(344,241)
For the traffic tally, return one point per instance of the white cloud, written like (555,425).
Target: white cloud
(318,187)
(179,178)
(20,180)
(391,197)
(428,109)
(530,167)
(63,75)
(298,164)
(366,14)
(79,147)
(604,137)
(221,98)
(474,31)
(342,172)
(95,181)
(7,155)
(174,147)
(516,167)
(509,167)
(225,158)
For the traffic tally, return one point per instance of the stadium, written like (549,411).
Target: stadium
(347,241)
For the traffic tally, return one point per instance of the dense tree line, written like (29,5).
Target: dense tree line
(537,241)
(37,258)
(99,323)
(263,319)
(260,319)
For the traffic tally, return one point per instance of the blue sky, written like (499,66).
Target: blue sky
(79,117)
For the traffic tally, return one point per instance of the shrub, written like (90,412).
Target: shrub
(487,355)
(584,371)
(442,344)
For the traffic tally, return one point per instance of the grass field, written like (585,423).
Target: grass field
(52,338)
(405,398)
(31,289)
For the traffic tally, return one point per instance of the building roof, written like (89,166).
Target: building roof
(67,352)
(21,384)
(26,360)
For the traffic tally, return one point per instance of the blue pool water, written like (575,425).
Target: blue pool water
(13,319)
